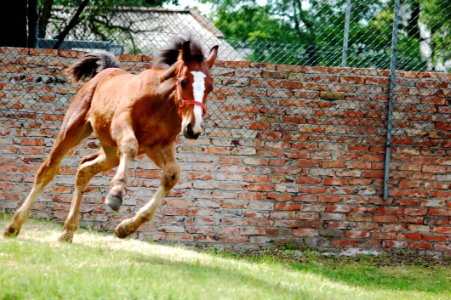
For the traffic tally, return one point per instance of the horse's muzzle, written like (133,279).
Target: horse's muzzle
(189,133)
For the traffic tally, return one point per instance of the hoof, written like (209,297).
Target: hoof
(121,232)
(114,202)
(11,232)
(66,238)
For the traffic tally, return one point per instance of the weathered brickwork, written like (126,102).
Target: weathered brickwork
(293,156)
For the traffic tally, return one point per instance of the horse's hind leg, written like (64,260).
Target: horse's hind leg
(89,167)
(69,137)
(164,157)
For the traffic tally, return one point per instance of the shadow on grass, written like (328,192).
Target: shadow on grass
(365,271)
(359,273)
(403,278)
(213,280)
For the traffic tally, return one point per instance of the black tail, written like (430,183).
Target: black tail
(91,64)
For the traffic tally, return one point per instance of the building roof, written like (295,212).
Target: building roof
(146,30)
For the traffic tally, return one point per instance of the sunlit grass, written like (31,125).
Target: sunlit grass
(100,266)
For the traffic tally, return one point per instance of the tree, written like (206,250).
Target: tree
(95,16)
(22,15)
(436,16)
(311,31)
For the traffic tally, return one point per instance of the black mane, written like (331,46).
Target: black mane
(168,57)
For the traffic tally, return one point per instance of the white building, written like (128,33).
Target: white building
(140,30)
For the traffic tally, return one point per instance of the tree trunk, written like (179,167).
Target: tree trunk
(412,27)
(33,16)
(44,18)
(13,23)
(72,24)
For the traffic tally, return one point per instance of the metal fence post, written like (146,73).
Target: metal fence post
(394,53)
(344,56)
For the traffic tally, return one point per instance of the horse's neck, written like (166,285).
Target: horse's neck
(167,92)
(163,102)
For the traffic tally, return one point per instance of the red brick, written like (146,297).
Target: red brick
(393,244)
(260,187)
(236,64)
(434,169)
(419,245)
(256,178)
(32,142)
(278,162)
(438,185)
(435,84)
(390,210)
(313,189)
(255,161)
(360,181)
(333,164)
(384,235)
(307,163)
(357,234)
(306,232)
(444,248)
(385,219)
(443,229)
(439,211)
(435,238)
(332,199)
(412,219)
(259,126)
(280,197)
(373,174)
(308,180)
(287,206)
(292,85)
(230,160)
(344,243)
(335,181)
(410,184)
(311,224)
(378,81)
(413,236)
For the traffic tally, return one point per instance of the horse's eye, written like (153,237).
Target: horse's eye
(182,83)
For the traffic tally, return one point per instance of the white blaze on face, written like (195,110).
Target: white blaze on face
(199,91)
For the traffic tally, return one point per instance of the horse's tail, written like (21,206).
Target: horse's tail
(91,64)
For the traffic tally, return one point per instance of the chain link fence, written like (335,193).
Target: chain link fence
(319,33)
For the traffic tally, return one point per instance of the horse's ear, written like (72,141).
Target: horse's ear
(185,53)
(212,56)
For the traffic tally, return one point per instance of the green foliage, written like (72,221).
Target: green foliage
(304,32)
(112,3)
(436,15)
(311,31)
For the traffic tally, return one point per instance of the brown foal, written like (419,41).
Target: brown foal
(130,115)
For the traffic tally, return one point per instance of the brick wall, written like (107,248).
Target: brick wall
(293,157)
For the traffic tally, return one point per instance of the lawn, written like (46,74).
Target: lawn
(100,266)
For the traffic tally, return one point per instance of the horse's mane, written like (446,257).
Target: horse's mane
(168,57)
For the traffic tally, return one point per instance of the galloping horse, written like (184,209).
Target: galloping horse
(130,115)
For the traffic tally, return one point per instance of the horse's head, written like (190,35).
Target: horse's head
(194,83)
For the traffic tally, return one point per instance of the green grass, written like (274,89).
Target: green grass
(99,266)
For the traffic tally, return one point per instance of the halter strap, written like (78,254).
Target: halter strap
(182,102)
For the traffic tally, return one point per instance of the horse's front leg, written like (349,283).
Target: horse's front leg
(164,157)
(128,149)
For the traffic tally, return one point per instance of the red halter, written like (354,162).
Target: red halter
(182,102)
